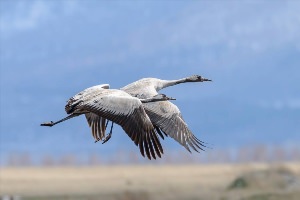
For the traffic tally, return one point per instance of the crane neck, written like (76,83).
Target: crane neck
(166,83)
(148,100)
(156,98)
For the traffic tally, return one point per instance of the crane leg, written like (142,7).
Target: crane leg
(51,123)
(106,124)
(109,134)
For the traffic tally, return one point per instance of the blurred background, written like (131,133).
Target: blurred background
(50,50)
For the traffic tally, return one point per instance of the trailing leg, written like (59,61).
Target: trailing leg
(109,134)
(51,123)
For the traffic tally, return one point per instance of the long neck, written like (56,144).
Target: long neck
(166,83)
(152,99)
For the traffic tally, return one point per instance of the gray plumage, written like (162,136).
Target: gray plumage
(99,103)
(164,115)
(139,110)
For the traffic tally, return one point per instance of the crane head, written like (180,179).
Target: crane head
(197,78)
(162,97)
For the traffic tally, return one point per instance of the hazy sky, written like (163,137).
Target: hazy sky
(51,50)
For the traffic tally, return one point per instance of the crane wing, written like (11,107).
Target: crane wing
(166,118)
(129,113)
(97,124)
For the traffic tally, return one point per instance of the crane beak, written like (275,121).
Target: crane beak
(47,124)
(205,79)
(171,98)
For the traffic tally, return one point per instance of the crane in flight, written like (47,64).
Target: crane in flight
(139,109)
(164,115)
(99,103)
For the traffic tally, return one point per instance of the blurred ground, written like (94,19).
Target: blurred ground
(225,181)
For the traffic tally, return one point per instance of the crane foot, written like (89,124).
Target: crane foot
(107,138)
(48,124)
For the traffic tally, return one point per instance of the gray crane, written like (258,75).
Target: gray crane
(164,115)
(99,103)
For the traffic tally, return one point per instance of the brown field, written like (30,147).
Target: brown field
(191,182)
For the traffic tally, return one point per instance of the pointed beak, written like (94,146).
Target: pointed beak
(171,98)
(205,79)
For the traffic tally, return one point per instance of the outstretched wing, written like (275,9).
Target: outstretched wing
(119,107)
(166,117)
(97,124)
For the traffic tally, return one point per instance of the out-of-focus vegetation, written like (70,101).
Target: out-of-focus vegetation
(146,182)
(258,153)
(249,173)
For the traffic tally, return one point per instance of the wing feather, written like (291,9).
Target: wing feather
(167,118)
(119,107)
(96,123)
